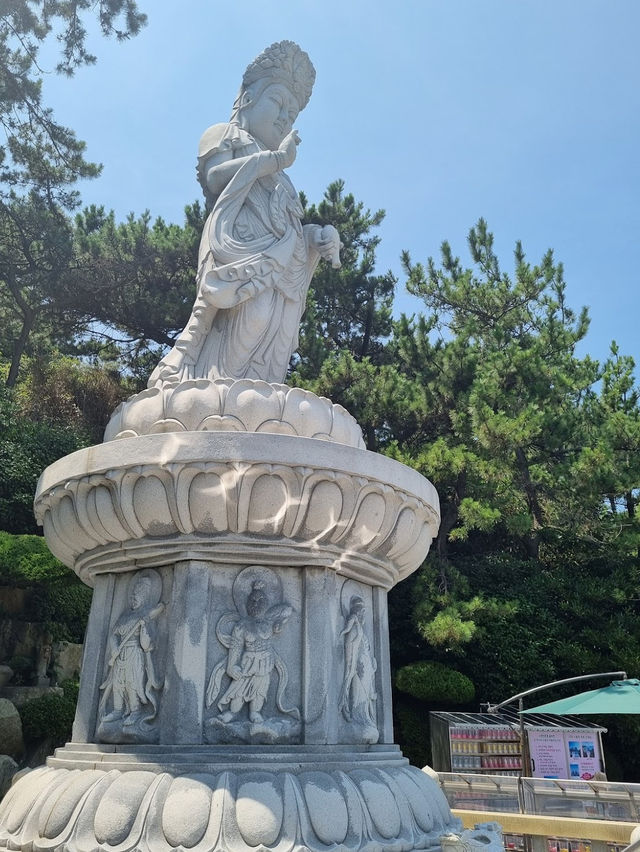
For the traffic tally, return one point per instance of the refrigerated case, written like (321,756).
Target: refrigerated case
(489,744)
(489,749)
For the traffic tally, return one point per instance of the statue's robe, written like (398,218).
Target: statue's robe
(254,270)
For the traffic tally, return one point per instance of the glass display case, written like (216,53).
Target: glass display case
(481,793)
(585,799)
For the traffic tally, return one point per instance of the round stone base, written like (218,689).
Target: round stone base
(230,799)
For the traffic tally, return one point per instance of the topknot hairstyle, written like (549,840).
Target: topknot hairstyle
(286,62)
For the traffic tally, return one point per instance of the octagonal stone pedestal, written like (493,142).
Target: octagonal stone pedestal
(235,691)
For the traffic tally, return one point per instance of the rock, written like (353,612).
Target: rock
(8,768)
(19,695)
(67,659)
(6,673)
(10,729)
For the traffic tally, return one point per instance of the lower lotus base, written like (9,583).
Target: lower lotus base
(218,799)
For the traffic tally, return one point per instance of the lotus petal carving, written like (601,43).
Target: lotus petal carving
(396,808)
(244,405)
(299,500)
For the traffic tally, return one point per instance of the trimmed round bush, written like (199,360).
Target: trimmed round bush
(435,683)
(49,717)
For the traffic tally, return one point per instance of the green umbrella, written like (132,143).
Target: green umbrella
(621,696)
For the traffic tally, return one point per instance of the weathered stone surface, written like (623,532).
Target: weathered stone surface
(485,836)
(228,494)
(67,660)
(8,768)
(19,695)
(228,405)
(13,600)
(20,638)
(228,799)
(11,741)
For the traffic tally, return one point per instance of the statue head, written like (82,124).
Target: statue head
(145,589)
(275,88)
(139,592)
(356,607)
(257,601)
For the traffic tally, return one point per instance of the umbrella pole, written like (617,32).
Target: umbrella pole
(524,751)
(524,772)
(493,708)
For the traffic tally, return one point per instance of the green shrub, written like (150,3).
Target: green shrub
(25,559)
(63,606)
(24,669)
(27,446)
(412,731)
(49,717)
(435,683)
(59,600)
(71,689)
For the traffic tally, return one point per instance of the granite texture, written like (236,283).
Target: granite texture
(229,405)
(231,495)
(227,801)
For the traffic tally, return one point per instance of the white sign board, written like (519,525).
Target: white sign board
(559,753)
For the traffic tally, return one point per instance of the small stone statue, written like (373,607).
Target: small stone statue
(131,682)
(483,837)
(250,663)
(256,259)
(44,659)
(358,695)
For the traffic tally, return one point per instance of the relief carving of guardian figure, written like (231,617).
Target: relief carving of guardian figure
(358,694)
(131,685)
(250,665)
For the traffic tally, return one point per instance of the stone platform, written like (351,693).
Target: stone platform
(236,686)
(154,798)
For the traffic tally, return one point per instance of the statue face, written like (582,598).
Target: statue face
(257,604)
(358,610)
(271,116)
(139,593)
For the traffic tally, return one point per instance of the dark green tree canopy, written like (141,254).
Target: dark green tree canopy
(503,389)
(348,309)
(40,162)
(37,153)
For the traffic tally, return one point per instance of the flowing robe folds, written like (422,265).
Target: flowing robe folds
(254,270)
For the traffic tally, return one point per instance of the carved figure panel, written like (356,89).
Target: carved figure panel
(130,691)
(239,684)
(358,695)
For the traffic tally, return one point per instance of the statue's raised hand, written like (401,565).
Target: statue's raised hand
(327,242)
(288,147)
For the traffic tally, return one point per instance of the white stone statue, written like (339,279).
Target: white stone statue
(256,259)
(358,694)
(131,683)
(251,661)
(275,536)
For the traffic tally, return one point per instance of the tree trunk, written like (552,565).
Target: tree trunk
(449,517)
(535,509)
(19,347)
(630,504)
(366,336)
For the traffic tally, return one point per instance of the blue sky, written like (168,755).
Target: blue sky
(525,112)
